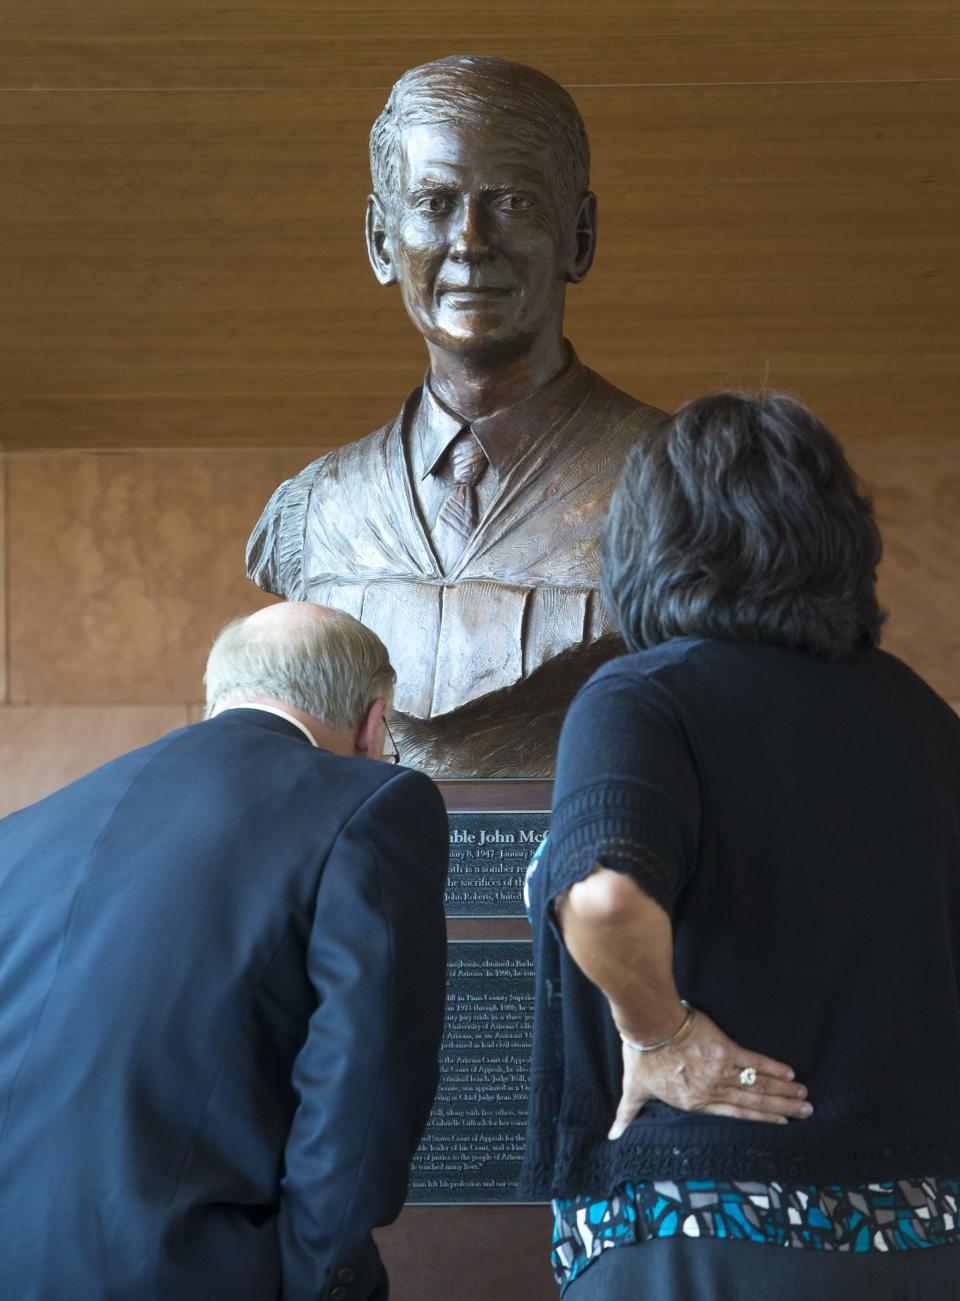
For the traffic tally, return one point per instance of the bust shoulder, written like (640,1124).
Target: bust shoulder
(275,549)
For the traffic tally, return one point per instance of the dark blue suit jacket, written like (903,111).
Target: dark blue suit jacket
(221,996)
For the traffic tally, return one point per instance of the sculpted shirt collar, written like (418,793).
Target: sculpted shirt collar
(506,434)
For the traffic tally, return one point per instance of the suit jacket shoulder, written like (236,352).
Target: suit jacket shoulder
(171,925)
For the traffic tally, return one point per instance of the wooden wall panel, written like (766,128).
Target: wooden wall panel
(187,269)
(43,747)
(190,43)
(122,568)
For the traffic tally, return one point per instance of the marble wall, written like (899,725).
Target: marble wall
(916,488)
(121,566)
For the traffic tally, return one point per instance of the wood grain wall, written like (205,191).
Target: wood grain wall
(182,191)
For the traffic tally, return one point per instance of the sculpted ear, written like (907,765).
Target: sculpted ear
(586,239)
(379,250)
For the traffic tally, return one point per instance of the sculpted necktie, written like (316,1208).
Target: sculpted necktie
(458,514)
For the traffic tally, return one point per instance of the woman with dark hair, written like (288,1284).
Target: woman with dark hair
(747,915)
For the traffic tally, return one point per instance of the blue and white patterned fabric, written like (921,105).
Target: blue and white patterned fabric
(899,1215)
(895,1216)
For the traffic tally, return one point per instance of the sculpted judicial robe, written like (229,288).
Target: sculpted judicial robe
(488,654)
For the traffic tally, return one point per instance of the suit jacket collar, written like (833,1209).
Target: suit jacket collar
(243,714)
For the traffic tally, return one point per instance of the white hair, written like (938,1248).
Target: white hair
(332,667)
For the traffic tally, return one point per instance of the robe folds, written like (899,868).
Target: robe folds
(347,532)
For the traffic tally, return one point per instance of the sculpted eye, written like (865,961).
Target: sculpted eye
(434,203)
(516,202)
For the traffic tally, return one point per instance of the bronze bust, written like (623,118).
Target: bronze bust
(464,532)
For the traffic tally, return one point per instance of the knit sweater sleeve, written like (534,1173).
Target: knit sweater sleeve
(627,794)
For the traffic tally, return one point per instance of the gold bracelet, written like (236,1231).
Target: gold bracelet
(676,1038)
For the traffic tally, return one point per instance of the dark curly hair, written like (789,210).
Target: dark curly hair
(739,517)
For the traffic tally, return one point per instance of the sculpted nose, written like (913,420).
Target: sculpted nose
(472,242)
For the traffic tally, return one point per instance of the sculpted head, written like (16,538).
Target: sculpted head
(481,209)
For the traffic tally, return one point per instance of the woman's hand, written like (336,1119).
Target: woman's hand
(702,1074)
(622,940)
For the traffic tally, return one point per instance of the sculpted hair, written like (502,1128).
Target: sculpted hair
(507,99)
(739,517)
(333,667)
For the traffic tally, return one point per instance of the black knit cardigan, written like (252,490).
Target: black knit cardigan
(800,821)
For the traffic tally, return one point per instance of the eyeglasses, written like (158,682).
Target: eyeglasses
(390,752)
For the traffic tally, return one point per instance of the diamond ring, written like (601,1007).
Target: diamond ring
(748,1075)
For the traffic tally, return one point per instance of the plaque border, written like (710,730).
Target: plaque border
(496,794)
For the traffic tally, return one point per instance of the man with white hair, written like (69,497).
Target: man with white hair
(222,966)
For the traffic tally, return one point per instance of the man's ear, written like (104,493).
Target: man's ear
(368,741)
(586,239)
(379,249)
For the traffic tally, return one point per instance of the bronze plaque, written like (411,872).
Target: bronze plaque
(473,1144)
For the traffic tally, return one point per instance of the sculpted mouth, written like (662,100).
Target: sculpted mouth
(474,291)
